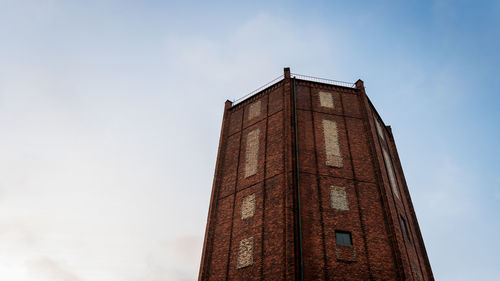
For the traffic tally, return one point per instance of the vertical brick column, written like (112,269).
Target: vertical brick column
(212,209)
(378,163)
(291,243)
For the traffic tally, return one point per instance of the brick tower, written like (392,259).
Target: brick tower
(308,186)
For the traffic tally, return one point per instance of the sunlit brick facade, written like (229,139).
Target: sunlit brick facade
(308,186)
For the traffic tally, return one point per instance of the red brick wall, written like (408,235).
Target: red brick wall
(379,250)
(272,226)
(370,257)
(410,254)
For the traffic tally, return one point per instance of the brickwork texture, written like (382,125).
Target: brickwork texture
(298,162)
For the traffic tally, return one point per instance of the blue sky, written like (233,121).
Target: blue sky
(110,114)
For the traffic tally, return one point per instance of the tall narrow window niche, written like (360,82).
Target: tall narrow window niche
(252,153)
(332,146)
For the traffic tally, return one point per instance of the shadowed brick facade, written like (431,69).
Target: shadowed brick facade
(298,163)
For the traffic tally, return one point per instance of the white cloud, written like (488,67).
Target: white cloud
(48,269)
(106,167)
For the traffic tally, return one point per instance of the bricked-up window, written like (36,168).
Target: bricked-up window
(332,146)
(254,110)
(343,238)
(390,170)
(252,152)
(248,206)
(404,228)
(379,129)
(326,99)
(338,198)
(245,253)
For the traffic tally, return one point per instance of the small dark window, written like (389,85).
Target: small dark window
(343,238)
(405,229)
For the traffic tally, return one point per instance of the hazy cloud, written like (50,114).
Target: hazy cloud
(49,269)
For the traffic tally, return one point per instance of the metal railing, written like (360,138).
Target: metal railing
(236,101)
(324,80)
(298,76)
